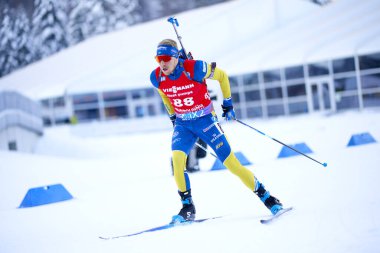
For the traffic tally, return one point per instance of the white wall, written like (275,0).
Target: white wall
(25,139)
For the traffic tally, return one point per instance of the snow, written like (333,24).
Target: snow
(121,183)
(119,171)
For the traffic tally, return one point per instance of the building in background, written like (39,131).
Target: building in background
(328,86)
(332,85)
(20,122)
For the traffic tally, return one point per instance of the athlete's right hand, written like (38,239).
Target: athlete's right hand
(172,118)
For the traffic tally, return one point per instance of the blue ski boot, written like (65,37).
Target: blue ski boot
(187,213)
(269,201)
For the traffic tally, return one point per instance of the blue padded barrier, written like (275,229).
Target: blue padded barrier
(45,195)
(287,152)
(360,139)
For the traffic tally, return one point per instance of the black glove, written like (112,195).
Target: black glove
(172,118)
(228,109)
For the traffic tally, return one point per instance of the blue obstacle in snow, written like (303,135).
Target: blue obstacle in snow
(45,195)
(360,139)
(218,165)
(287,152)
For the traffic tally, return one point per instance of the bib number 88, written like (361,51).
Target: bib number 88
(181,102)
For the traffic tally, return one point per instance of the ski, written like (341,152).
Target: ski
(163,227)
(275,216)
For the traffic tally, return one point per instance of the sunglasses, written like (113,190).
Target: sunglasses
(164,58)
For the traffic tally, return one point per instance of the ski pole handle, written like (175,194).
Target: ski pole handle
(175,23)
(173,20)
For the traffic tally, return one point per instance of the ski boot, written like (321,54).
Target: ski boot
(269,201)
(187,213)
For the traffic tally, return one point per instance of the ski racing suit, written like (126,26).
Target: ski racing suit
(184,93)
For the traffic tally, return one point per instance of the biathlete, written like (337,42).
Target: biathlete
(182,87)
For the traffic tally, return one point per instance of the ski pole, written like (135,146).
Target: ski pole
(299,152)
(174,22)
(206,150)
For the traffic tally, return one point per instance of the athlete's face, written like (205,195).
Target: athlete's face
(167,67)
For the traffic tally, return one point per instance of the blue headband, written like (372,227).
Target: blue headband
(167,50)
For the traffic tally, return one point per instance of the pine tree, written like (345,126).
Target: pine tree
(8,49)
(22,39)
(79,21)
(48,29)
(92,17)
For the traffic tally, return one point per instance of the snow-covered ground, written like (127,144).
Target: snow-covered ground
(121,183)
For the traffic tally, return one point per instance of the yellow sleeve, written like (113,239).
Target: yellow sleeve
(166,102)
(222,77)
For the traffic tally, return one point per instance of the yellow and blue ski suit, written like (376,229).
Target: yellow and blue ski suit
(184,93)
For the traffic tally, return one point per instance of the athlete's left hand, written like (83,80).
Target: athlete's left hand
(228,109)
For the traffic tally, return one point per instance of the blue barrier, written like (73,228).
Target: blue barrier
(45,195)
(360,139)
(218,165)
(287,152)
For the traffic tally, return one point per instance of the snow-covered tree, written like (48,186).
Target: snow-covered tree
(48,28)
(22,39)
(91,17)
(13,41)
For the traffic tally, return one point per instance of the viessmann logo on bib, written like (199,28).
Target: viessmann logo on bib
(175,89)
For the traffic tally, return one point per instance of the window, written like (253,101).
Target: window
(275,110)
(116,112)
(369,61)
(58,102)
(343,65)
(151,110)
(86,115)
(136,94)
(254,112)
(85,98)
(250,79)
(12,145)
(371,100)
(296,90)
(344,84)
(253,95)
(347,102)
(233,81)
(45,103)
(235,97)
(238,112)
(318,69)
(294,72)
(114,96)
(298,107)
(272,75)
(370,81)
(139,111)
(272,93)
(149,92)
